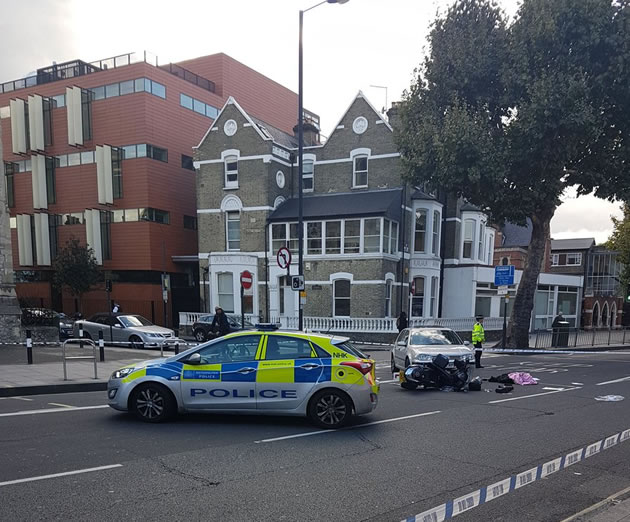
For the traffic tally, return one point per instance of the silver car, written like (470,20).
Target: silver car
(133,329)
(420,345)
(260,371)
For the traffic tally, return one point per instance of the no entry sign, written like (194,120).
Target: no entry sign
(246,279)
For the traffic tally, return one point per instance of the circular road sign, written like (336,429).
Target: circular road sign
(246,279)
(284,257)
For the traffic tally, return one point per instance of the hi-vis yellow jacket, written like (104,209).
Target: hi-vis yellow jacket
(478,333)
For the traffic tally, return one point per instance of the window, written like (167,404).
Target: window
(505,261)
(126,87)
(187,162)
(417,299)
(156,153)
(58,101)
(152,214)
(352,236)
(388,297)
(51,192)
(341,299)
(75,218)
(283,347)
(199,106)
(333,237)
(482,305)
(54,221)
(307,176)
(233,226)
(480,242)
(86,114)
(236,349)
(225,289)
(190,222)
(360,172)
(158,89)
(419,244)
(372,235)
(386,236)
(435,244)
(138,85)
(117,156)
(278,236)
(231,172)
(9,172)
(294,240)
(106,234)
(87,157)
(131,214)
(112,90)
(434,292)
(568,259)
(118,216)
(48,128)
(394,238)
(469,238)
(314,237)
(141,150)
(186,101)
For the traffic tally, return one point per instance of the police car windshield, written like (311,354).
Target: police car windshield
(434,337)
(134,320)
(349,348)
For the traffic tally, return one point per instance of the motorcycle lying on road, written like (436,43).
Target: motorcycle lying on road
(436,374)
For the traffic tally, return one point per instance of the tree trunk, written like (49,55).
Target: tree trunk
(520,319)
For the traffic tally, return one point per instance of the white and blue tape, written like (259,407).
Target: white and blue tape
(486,494)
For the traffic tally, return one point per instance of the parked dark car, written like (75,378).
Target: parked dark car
(201,327)
(48,317)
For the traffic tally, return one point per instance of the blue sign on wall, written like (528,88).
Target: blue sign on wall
(504,275)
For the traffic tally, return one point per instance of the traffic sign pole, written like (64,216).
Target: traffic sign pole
(242,308)
(247,279)
(507,298)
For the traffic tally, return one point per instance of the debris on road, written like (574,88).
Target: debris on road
(609,398)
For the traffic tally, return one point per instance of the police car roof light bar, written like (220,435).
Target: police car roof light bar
(267,327)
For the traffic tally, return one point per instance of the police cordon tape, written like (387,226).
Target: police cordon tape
(484,495)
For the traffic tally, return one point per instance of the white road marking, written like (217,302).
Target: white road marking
(60,405)
(387,382)
(577,383)
(612,382)
(321,432)
(530,396)
(52,410)
(57,475)
(555,389)
(16,398)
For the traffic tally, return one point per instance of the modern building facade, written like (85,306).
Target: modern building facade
(102,152)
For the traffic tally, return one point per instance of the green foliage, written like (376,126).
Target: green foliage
(620,241)
(510,115)
(76,268)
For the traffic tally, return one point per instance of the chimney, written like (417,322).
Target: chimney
(311,132)
(393,116)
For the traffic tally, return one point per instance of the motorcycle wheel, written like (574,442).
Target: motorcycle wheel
(408,385)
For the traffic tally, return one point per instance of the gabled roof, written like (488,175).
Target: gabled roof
(469,207)
(232,101)
(419,194)
(278,136)
(516,235)
(386,202)
(572,244)
(362,96)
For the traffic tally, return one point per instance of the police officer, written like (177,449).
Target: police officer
(478,337)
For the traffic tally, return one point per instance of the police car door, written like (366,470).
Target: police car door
(287,372)
(225,379)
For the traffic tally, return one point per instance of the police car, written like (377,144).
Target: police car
(264,371)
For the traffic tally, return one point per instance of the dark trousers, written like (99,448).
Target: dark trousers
(477,355)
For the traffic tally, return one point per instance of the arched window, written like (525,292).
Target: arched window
(505,261)
(605,315)
(613,315)
(596,321)
(341,298)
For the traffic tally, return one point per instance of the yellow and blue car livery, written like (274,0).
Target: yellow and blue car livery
(262,371)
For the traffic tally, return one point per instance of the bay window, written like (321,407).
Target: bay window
(352,236)
(469,238)
(417,300)
(435,243)
(372,235)
(420,232)
(314,237)
(225,287)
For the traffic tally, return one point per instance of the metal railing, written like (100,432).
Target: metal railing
(579,337)
(357,324)
(81,341)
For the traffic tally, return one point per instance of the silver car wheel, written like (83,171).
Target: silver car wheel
(331,410)
(150,403)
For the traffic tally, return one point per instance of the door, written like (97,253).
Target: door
(226,377)
(289,369)
(286,297)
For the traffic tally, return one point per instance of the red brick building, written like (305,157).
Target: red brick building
(102,152)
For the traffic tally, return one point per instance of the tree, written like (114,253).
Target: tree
(511,114)
(76,268)
(620,241)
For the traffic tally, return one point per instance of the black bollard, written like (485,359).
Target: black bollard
(101,346)
(29,347)
(176,347)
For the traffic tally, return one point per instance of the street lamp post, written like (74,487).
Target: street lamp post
(301,153)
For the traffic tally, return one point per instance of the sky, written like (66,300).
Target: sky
(347,48)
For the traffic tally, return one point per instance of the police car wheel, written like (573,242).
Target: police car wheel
(200,335)
(152,402)
(330,409)
(394,368)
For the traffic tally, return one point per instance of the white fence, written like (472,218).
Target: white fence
(358,324)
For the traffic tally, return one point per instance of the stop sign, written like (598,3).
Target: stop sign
(246,279)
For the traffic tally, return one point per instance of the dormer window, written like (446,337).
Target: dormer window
(231,172)
(360,172)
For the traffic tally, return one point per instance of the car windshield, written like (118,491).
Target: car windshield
(134,320)
(235,320)
(434,337)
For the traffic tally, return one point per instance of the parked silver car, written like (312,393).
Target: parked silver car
(136,330)
(420,345)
